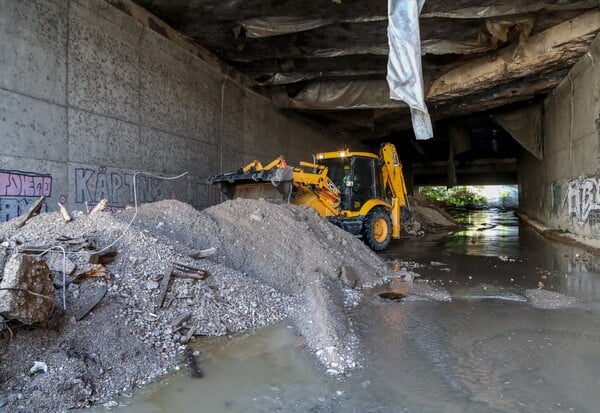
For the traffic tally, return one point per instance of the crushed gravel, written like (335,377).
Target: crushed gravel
(272,262)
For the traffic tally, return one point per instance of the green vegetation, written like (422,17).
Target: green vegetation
(457,197)
(505,197)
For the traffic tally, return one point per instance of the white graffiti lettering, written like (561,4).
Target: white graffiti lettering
(583,197)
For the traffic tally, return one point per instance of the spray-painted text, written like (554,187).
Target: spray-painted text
(18,190)
(582,198)
(92,186)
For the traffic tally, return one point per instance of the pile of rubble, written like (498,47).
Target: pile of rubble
(115,301)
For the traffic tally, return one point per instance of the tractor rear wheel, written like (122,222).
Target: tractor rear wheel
(377,229)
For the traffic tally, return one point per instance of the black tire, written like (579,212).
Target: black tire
(377,229)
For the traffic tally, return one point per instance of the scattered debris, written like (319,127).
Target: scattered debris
(549,300)
(185,339)
(27,290)
(99,206)
(104,257)
(38,366)
(349,277)
(58,263)
(164,286)
(203,253)
(92,303)
(192,364)
(92,271)
(185,271)
(65,214)
(180,320)
(33,211)
(3,256)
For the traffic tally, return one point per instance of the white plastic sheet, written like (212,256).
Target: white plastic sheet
(277,25)
(405,75)
(512,9)
(260,27)
(344,95)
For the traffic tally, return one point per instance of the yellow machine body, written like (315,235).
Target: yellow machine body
(362,192)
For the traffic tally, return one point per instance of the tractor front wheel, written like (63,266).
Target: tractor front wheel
(377,229)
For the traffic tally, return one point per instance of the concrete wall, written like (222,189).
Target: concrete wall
(563,190)
(89,96)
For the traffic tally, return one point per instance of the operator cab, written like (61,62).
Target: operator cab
(356,175)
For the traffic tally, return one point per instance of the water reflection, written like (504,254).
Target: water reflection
(487,233)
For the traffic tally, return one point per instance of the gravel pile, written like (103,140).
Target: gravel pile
(272,262)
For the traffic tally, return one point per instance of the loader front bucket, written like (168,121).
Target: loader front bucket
(271,184)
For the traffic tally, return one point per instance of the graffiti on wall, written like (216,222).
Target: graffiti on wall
(93,185)
(19,190)
(583,198)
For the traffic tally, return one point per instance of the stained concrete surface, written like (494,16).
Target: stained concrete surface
(89,96)
(556,190)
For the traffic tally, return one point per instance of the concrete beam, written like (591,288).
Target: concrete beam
(551,48)
(480,172)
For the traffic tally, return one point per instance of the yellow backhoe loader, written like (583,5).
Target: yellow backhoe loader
(361,192)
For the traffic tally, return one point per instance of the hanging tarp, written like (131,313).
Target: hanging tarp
(487,12)
(443,46)
(340,95)
(278,25)
(295,77)
(269,26)
(380,50)
(405,75)
(525,126)
(430,46)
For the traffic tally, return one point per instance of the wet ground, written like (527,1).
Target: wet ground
(488,350)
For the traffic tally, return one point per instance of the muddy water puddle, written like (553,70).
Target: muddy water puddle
(487,350)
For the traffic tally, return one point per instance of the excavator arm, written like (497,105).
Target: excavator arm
(297,185)
(393,183)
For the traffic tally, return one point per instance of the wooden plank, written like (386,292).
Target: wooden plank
(33,211)
(63,211)
(164,287)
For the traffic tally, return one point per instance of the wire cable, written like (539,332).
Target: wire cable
(135,201)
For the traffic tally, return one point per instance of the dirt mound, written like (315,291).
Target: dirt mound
(288,246)
(430,216)
(272,262)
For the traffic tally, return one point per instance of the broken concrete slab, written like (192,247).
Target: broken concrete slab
(58,263)
(27,291)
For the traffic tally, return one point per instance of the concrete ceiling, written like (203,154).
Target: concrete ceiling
(478,55)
